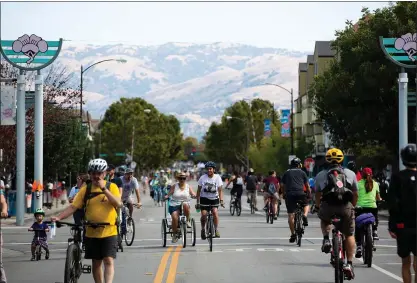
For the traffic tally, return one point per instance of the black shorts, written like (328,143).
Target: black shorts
(99,248)
(206,201)
(291,202)
(406,243)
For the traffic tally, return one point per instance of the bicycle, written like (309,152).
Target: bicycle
(298,223)
(73,262)
(38,246)
(235,205)
(364,223)
(338,252)
(210,230)
(252,201)
(270,214)
(127,226)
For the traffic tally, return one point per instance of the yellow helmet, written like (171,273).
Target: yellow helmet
(334,155)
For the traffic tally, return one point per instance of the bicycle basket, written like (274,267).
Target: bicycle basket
(364,219)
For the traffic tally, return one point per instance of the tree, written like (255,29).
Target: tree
(357,96)
(156,137)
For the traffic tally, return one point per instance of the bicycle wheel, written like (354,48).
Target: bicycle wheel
(71,261)
(210,232)
(130,231)
(298,228)
(193,232)
(183,228)
(232,207)
(252,206)
(38,252)
(267,214)
(164,233)
(338,264)
(238,208)
(119,240)
(271,213)
(369,245)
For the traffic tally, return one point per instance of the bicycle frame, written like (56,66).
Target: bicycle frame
(338,250)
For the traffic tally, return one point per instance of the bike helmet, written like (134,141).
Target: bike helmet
(352,166)
(129,171)
(334,156)
(39,211)
(210,164)
(409,156)
(296,163)
(97,165)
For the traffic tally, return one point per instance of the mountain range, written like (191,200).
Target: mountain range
(194,82)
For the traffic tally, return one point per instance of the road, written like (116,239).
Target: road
(249,250)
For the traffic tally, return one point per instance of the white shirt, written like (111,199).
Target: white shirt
(129,187)
(210,186)
(180,195)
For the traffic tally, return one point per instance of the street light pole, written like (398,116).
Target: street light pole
(82,71)
(291,92)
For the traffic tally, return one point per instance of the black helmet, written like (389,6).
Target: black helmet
(352,166)
(409,155)
(296,163)
(210,164)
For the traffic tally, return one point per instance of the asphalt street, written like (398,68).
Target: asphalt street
(249,250)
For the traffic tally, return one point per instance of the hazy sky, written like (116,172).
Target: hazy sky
(283,25)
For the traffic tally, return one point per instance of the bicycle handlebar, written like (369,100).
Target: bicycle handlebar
(59,224)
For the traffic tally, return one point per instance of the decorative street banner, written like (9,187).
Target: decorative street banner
(285,123)
(402,50)
(8,105)
(267,127)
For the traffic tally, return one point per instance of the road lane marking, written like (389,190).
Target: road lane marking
(174,264)
(162,266)
(386,272)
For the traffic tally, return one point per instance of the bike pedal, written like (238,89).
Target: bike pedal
(86,269)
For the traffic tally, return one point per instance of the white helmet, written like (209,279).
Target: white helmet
(97,165)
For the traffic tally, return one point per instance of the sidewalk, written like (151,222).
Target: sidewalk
(29,216)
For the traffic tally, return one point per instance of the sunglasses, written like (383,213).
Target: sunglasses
(182,178)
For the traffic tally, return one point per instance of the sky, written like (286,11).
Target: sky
(294,26)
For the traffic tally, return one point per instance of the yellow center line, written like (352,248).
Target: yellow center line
(173,267)
(161,269)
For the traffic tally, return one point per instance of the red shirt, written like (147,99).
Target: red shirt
(273,180)
(358,176)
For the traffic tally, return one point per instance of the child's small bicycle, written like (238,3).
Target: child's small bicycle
(38,246)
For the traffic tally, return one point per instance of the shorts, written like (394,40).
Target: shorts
(128,200)
(291,202)
(238,190)
(174,208)
(345,212)
(406,243)
(99,248)
(42,242)
(207,201)
(268,194)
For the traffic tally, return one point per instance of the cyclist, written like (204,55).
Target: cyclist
(111,176)
(42,241)
(352,166)
(251,183)
(163,181)
(271,189)
(209,193)
(181,191)
(100,206)
(130,185)
(368,194)
(156,189)
(402,210)
(295,186)
(331,205)
(3,214)
(237,189)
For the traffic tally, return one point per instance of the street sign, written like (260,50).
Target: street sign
(309,164)
(103,155)
(120,154)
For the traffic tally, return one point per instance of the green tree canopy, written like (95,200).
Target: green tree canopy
(157,139)
(357,97)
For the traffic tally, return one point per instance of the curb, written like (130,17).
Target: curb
(26,218)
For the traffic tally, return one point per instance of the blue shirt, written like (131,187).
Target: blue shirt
(43,226)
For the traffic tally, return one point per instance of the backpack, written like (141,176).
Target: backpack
(89,195)
(336,191)
(251,182)
(271,188)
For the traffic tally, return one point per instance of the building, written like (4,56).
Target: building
(305,121)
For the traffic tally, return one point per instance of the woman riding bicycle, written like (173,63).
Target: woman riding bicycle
(368,194)
(237,189)
(180,192)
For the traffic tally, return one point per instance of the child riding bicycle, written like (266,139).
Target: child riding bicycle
(42,239)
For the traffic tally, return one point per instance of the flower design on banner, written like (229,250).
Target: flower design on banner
(408,43)
(30,46)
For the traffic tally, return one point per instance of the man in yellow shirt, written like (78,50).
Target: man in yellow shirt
(100,206)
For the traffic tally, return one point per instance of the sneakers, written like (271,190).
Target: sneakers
(292,238)
(32,258)
(203,234)
(375,235)
(348,271)
(305,221)
(174,239)
(358,252)
(188,225)
(217,234)
(47,254)
(327,246)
